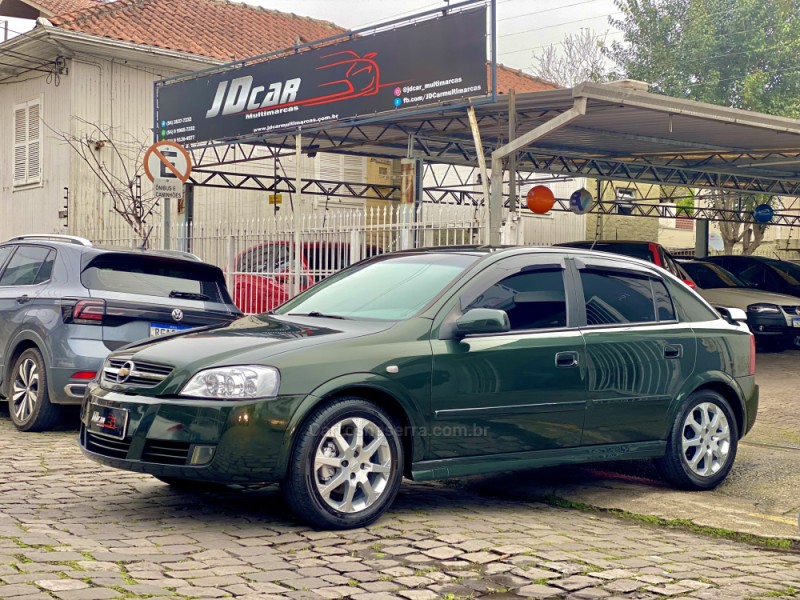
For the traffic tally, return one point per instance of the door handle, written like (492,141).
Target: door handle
(671,351)
(23,299)
(566,359)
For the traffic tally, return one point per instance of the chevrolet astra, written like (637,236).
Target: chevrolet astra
(431,364)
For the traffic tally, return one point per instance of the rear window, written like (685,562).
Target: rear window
(142,275)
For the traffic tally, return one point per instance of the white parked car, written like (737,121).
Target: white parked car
(773,318)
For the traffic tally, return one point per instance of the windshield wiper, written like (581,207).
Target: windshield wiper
(188,295)
(315,313)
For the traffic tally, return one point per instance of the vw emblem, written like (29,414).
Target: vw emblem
(177,315)
(125,372)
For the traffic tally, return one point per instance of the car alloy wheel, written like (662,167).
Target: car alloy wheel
(28,396)
(701,447)
(352,465)
(706,439)
(346,464)
(25,390)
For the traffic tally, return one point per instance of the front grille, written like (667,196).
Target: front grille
(106,446)
(793,311)
(166,452)
(134,373)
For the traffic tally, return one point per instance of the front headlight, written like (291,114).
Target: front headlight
(234,383)
(763,308)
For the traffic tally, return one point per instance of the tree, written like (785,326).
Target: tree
(738,53)
(581,58)
(116,160)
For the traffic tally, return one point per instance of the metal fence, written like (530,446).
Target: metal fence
(266,261)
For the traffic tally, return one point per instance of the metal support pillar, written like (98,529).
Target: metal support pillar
(701,238)
(408,205)
(188,217)
(166,223)
(297,213)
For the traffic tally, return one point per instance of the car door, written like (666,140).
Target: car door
(519,391)
(8,301)
(18,289)
(638,354)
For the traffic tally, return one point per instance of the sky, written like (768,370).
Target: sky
(523,26)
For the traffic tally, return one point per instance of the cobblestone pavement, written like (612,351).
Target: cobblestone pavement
(73,530)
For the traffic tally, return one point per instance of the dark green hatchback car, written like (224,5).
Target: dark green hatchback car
(432,364)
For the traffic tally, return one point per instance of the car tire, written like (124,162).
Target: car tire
(702,444)
(28,396)
(331,483)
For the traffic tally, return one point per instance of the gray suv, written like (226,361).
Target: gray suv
(65,304)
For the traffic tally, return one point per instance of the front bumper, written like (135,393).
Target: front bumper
(163,433)
(772,326)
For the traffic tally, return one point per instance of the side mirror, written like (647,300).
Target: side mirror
(483,321)
(732,315)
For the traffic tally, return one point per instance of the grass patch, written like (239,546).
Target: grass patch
(684,524)
(789,591)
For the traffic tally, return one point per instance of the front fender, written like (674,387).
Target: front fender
(355,381)
(698,380)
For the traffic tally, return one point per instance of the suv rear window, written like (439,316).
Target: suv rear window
(143,275)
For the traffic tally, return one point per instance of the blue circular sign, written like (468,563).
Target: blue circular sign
(763,213)
(398,102)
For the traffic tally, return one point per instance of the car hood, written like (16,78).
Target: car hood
(250,340)
(743,297)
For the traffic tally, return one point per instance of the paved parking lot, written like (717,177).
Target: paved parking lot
(72,530)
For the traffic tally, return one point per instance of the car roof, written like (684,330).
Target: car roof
(606,242)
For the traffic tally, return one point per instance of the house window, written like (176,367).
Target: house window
(27,143)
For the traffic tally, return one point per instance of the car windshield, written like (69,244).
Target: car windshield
(269,258)
(709,276)
(787,271)
(389,289)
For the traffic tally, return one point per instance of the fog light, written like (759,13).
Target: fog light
(202,455)
(761,328)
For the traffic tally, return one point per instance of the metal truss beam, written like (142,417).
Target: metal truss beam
(277,184)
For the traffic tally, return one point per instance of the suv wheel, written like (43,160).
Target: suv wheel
(702,444)
(346,465)
(28,398)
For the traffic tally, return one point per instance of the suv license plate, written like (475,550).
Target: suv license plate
(796,322)
(109,421)
(157,329)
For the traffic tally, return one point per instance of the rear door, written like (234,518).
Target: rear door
(26,268)
(140,296)
(638,354)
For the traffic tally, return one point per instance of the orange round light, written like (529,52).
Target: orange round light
(540,199)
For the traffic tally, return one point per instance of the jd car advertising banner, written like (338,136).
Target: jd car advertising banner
(436,61)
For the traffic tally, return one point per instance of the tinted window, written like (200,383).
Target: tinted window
(24,266)
(532,300)
(141,275)
(664,308)
(711,277)
(688,307)
(613,298)
(5,252)
(392,289)
(641,251)
(47,268)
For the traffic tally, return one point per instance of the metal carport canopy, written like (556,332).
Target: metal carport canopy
(603,131)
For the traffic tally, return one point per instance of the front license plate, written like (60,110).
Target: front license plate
(157,329)
(109,421)
(796,322)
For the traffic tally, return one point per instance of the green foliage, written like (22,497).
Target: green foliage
(738,53)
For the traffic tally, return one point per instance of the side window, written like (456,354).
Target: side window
(46,271)
(5,252)
(614,298)
(664,309)
(689,309)
(24,267)
(753,275)
(533,299)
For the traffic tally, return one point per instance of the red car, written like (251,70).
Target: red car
(649,251)
(263,274)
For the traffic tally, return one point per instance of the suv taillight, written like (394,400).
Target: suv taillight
(84,312)
(752,354)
